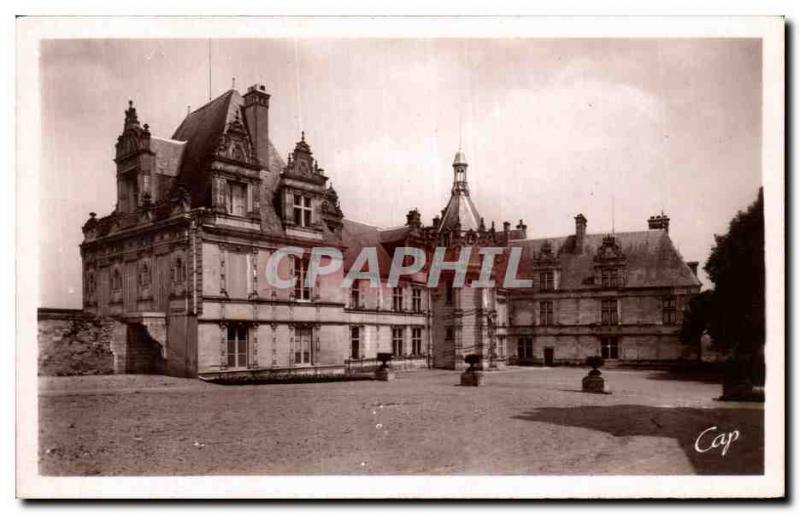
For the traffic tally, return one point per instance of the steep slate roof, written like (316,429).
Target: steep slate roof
(358,235)
(169,155)
(651,259)
(460,209)
(201,130)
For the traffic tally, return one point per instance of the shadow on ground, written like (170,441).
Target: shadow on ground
(705,377)
(744,457)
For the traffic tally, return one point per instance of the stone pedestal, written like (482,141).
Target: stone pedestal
(385,374)
(595,384)
(472,378)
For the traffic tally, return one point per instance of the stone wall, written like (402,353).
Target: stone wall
(72,342)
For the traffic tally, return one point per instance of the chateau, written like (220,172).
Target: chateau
(181,259)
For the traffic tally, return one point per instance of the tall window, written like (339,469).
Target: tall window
(355,295)
(524,348)
(178,271)
(130,194)
(90,283)
(301,289)
(116,280)
(608,311)
(302,346)
(237,198)
(669,312)
(302,210)
(609,348)
(355,343)
(416,299)
(397,299)
(449,334)
(237,345)
(144,274)
(609,277)
(448,293)
(416,341)
(397,341)
(546,280)
(546,313)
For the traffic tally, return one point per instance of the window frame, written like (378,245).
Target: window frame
(302,209)
(397,299)
(355,294)
(547,280)
(355,342)
(302,292)
(306,358)
(416,341)
(230,200)
(609,311)
(546,313)
(239,355)
(609,347)
(669,310)
(416,299)
(398,336)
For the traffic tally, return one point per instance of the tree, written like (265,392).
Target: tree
(736,317)
(696,318)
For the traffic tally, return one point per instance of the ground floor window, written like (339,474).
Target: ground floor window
(609,347)
(397,341)
(302,346)
(355,343)
(525,348)
(237,342)
(416,341)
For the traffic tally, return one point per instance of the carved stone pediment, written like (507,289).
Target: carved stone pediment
(546,257)
(609,252)
(235,144)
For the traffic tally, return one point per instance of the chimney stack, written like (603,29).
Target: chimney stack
(693,266)
(660,222)
(580,232)
(256,114)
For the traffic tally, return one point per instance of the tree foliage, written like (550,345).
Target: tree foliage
(736,314)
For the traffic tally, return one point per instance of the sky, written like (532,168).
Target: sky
(616,129)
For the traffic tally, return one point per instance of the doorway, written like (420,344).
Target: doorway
(548,357)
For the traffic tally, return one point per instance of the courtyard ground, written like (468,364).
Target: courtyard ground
(523,421)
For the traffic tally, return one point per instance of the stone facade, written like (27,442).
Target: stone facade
(181,261)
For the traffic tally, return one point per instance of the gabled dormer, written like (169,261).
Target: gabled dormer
(235,171)
(546,268)
(302,193)
(609,264)
(134,159)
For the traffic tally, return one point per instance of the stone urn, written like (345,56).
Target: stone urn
(385,371)
(473,376)
(594,382)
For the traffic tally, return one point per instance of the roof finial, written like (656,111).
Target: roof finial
(303,136)
(233,82)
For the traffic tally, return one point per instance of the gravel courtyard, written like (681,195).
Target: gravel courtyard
(523,421)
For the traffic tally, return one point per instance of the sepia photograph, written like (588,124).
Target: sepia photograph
(376,251)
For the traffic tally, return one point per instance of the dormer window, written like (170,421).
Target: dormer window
(609,277)
(547,280)
(237,198)
(302,210)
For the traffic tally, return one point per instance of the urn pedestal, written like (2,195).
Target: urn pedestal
(595,383)
(385,374)
(472,378)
